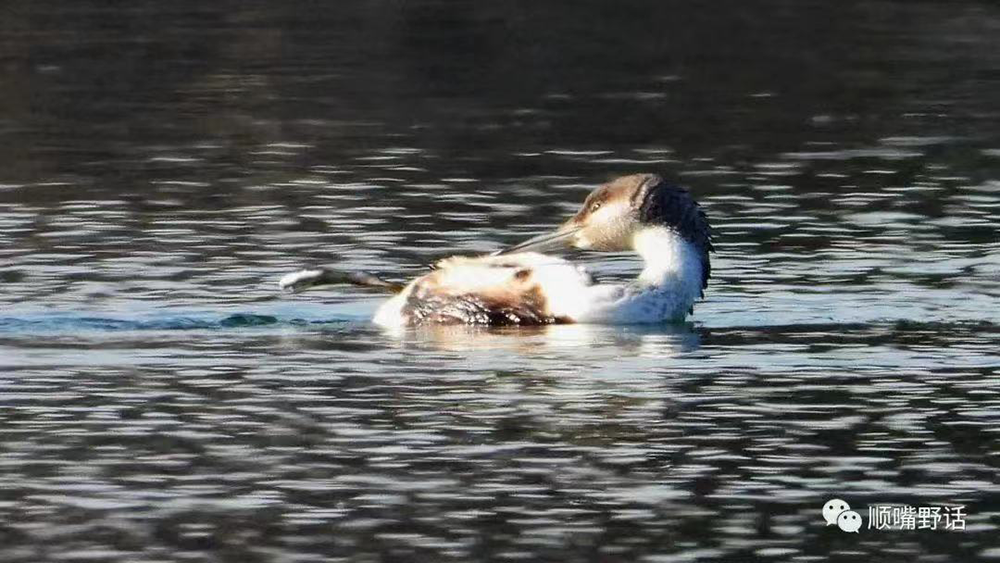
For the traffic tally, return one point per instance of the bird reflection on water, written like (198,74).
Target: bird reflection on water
(659,341)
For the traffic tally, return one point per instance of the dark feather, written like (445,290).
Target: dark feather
(673,206)
(429,304)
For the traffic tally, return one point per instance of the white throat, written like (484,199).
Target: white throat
(671,263)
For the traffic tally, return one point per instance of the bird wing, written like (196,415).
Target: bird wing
(516,289)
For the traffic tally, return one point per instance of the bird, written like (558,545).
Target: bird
(522,285)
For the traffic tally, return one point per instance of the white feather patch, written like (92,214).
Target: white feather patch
(297,281)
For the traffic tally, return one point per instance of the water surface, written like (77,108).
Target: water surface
(161,166)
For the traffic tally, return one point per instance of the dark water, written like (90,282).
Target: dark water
(162,164)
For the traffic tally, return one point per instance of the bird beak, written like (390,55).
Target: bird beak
(563,237)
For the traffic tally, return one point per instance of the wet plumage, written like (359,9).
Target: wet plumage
(492,290)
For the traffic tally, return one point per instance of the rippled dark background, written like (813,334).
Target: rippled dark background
(162,164)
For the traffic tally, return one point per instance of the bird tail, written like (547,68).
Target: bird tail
(305,279)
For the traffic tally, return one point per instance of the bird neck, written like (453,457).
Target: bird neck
(671,262)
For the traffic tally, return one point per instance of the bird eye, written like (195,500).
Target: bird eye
(595,206)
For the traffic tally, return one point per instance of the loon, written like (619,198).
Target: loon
(520,285)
